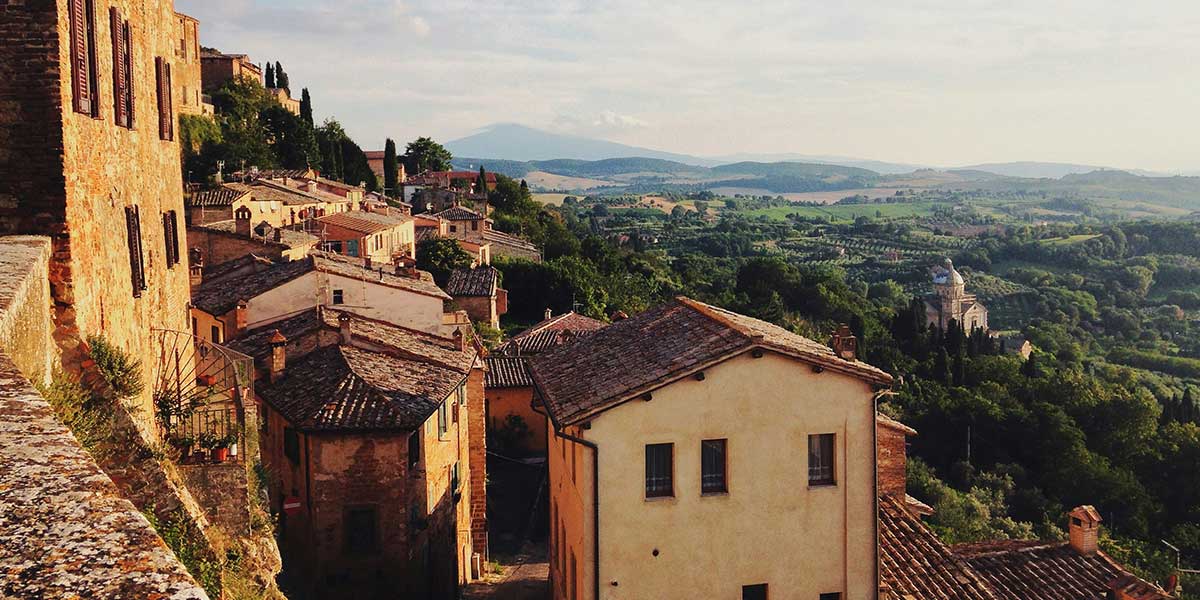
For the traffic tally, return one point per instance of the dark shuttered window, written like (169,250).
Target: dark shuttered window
(712,467)
(120,68)
(362,530)
(171,235)
(660,480)
(166,117)
(137,272)
(127,40)
(83,57)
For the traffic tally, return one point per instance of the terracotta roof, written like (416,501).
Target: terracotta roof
(374,154)
(250,261)
(499,238)
(363,222)
(288,237)
(548,333)
(460,213)
(1038,570)
(222,195)
(507,372)
(891,423)
(479,282)
(915,565)
(641,353)
(346,388)
(221,296)
(390,377)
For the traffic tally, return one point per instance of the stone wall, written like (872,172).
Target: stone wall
(64,529)
(220,489)
(477,418)
(891,460)
(481,309)
(218,247)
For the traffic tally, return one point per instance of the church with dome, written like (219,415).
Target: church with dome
(951,302)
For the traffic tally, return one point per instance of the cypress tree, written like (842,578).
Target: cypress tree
(270,75)
(306,106)
(1030,368)
(960,369)
(281,78)
(941,366)
(391,169)
(481,185)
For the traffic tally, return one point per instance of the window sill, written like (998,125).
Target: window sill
(822,486)
(714,494)
(659,498)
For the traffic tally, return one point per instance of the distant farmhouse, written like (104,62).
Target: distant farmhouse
(951,302)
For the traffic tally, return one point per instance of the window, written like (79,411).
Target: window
(454,229)
(83,58)
(754,592)
(462,394)
(171,235)
(133,231)
(820,459)
(454,477)
(291,445)
(414,450)
(339,296)
(361,530)
(443,419)
(712,467)
(831,596)
(215,334)
(474,225)
(122,69)
(166,114)
(659,476)
(195,327)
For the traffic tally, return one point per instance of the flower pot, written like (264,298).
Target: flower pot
(233,450)
(207,380)
(220,454)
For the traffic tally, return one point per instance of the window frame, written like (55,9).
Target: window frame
(84,95)
(371,511)
(443,420)
(830,596)
(137,256)
(654,491)
(755,588)
(339,297)
(825,473)
(414,458)
(706,488)
(291,444)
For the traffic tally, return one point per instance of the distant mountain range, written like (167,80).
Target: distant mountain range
(519,143)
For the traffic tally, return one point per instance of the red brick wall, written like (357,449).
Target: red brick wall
(892,460)
(477,419)
(78,173)
(480,309)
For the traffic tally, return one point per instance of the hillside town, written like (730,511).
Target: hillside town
(269,382)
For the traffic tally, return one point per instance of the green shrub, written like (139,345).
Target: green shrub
(122,372)
(88,417)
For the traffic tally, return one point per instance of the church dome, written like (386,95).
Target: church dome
(947,274)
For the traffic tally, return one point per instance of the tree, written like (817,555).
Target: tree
(281,78)
(441,256)
(481,184)
(391,168)
(306,107)
(270,78)
(428,155)
(293,140)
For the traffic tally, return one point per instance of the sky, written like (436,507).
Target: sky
(945,82)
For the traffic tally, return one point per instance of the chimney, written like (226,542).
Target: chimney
(241,221)
(278,234)
(239,319)
(1085,529)
(367,262)
(462,340)
(891,456)
(845,345)
(278,355)
(196,269)
(312,187)
(344,328)
(549,313)
(619,316)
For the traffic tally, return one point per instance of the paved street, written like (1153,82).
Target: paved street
(526,577)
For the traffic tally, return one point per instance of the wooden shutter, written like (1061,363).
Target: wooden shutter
(120,75)
(127,40)
(171,235)
(137,271)
(170,104)
(81,75)
(164,98)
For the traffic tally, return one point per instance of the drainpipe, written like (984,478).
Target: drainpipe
(595,505)
(875,477)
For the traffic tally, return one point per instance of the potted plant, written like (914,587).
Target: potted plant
(231,443)
(215,446)
(207,379)
(183,445)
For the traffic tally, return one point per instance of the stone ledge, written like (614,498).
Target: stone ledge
(64,530)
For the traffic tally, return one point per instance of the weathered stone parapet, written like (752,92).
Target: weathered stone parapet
(64,529)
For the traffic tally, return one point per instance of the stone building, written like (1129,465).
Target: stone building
(221,242)
(89,158)
(264,201)
(378,237)
(477,291)
(284,98)
(699,453)
(368,429)
(464,224)
(951,302)
(217,67)
(187,74)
